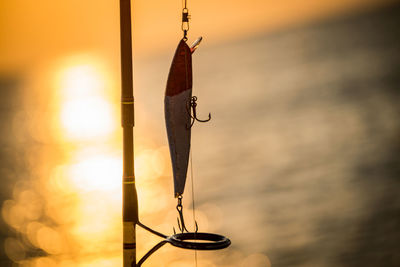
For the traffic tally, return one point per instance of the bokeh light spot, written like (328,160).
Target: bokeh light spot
(256,260)
(96,173)
(14,249)
(87,118)
(49,240)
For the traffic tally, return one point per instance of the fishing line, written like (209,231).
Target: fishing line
(193,205)
(185,29)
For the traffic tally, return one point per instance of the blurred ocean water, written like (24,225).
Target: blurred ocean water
(300,164)
(302,153)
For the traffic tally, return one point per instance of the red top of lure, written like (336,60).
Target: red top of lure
(180,74)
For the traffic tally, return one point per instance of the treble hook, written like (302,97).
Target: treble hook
(193,105)
(181,220)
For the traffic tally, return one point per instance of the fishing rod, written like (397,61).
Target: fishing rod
(180,114)
(130,212)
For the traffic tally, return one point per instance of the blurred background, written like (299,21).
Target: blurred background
(299,166)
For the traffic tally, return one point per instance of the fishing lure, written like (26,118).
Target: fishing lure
(180,111)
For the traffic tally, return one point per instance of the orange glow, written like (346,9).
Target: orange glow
(81,80)
(96,173)
(149,164)
(87,118)
(50,240)
(86,112)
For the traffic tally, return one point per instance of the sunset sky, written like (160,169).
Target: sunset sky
(35,31)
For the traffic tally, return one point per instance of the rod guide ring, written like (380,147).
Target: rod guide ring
(199,241)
